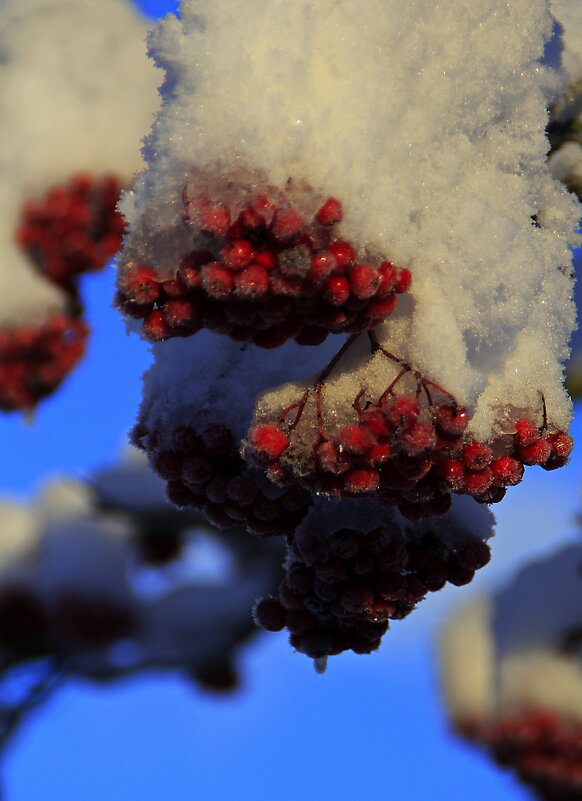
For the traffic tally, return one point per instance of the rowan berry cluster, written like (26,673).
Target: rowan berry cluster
(541,747)
(74,228)
(408,449)
(340,592)
(264,275)
(31,629)
(35,359)
(204,470)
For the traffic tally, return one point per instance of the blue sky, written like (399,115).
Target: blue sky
(371,726)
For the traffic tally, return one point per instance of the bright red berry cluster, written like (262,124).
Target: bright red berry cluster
(544,750)
(204,470)
(266,276)
(340,592)
(406,450)
(74,228)
(35,359)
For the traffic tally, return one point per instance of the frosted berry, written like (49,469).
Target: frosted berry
(476,456)
(452,420)
(536,452)
(364,281)
(270,614)
(237,254)
(337,290)
(331,212)
(402,410)
(506,471)
(268,441)
(526,433)
(343,253)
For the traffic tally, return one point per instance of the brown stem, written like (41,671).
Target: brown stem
(300,404)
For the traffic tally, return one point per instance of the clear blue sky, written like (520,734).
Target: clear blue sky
(371,727)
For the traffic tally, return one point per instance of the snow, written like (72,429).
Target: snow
(426,120)
(569,15)
(506,653)
(63,545)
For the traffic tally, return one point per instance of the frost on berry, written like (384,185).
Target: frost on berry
(237,257)
(341,222)
(353,567)
(198,401)
(370,425)
(512,678)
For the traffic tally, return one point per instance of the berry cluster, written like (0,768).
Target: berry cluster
(35,359)
(72,229)
(409,450)
(339,593)
(266,276)
(544,750)
(203,470)
(30,629)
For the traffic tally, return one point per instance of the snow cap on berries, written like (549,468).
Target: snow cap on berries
(482,227)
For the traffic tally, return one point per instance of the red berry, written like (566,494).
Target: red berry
(403,281)
(478,482)
(359,482)
(217,280)
(331,212)
(181,312)
(356,439)
(403,410)
(375,420)
(322,265)
(266,258)
(526,432)
(141,285)
(378,454)
(506,471)
(417,438)
(452,419)
(337,290)
(214,218)
(155,326)
(364,281)
(453,473)
(343,253)
(237,254)
(174,288)
(388,277)
(252,282)
(476,456)
(537,452)
(330,460)
(381,308)
(561,443)
(268,441)
(286,224)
